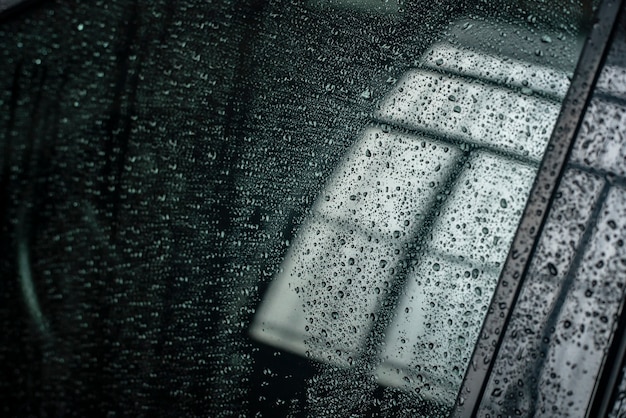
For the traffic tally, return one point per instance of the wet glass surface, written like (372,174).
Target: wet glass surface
(256,208)
(566,315)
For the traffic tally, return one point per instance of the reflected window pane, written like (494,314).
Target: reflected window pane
(393,269)
(264,208)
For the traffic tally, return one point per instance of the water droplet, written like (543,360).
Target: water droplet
(552,269)
(546,39)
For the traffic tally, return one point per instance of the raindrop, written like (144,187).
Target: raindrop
(546,39)
(552,269)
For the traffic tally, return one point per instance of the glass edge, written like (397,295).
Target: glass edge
(579,94)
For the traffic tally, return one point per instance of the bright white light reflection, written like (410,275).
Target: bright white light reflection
(469,133)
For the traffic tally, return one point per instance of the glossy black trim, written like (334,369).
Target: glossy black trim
(611,374)
(535,214)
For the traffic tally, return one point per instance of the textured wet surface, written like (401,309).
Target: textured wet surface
(567,311)
(156,161)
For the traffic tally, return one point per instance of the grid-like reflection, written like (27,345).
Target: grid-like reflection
(412,229)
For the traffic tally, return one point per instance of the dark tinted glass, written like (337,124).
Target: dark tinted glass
(264,208)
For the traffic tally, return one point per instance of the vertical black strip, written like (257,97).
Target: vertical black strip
(537,208)
(606,389)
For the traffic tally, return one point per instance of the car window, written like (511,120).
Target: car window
(392,271)
(567,316)
(260,208)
